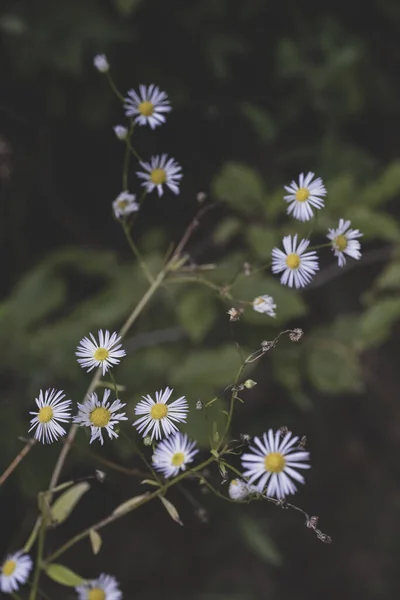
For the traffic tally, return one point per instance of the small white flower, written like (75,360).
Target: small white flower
(105,587)
(100,415)
(265,304)
(159,417)
(298,268)
(273,462)
(148,106)
(105,353)
(344,242)
(173,454)
(52,408)
(101,63)
(160,171)
(238,490)
(304,195)
(15,571)
(125,204)
(121,132)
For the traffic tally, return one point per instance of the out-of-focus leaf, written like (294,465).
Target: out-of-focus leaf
(259,541)
(389,279)
(95,541)
(377,321)
(65,504)
(63,575)
(226,230)
(196,311)
(262,239)
(333,366)
(130,504)
(217,367)
(240,186)
(171,510)
(261,121)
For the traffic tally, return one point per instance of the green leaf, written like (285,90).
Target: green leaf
(389,279)
(376,324)
(333,366)
(375,224)
(95,540)
(63,575)
(171,510)
(215,367)
(226,230)
(130,504)
(240,186)
(261,121)
(262,240)
(65,504)
(259,541)
(196,312)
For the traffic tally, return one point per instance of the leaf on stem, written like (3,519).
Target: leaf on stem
(130,504)
(65,504)
(171,510)
(95,540)
(63,575)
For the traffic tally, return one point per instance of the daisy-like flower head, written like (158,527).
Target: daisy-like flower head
(105,587)
(120,131)
(101,63)
(15,571)
(100,415)
(344,242)
(173,454)
(265,304)
(125,204)
(298,266)
(160,171)
(105,353)
(159,417)
(148,106)
(305,195)
(273,462)
(52,409)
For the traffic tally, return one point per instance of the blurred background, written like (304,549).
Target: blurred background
(261,91)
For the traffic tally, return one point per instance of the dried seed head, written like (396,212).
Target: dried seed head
(201,197)
(199,405)
(234,314)
(245,437)
(296,335)
(312,522)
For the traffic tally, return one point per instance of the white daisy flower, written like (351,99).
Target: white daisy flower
(125,204)
(121,132)
(105,587)
(105,353)
(101,63)
(173,454)
(161,171)
(15,571)
(100,415)
(344,242)
(148,106)
(298,268)
(273,462)
(52,408)
(158,416)
(238,490)
(304,195)
(265,304)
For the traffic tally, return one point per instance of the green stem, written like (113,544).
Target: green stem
(137,254)
(114,87)
(39,557)
(232,404)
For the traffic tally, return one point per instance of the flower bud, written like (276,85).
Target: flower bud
(249,384)
(101,63)
(238,490)
(147,440)
(121,132)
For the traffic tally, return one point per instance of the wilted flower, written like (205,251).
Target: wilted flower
(125,204)
(265,304)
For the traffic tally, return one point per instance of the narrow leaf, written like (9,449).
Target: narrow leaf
(130,504)
(95,540)
(173,513)
(65,504)
(63,575)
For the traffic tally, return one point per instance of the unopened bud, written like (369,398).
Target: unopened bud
(147,440)
(199,405)
(249,384)
(100,475)
(245,437)
(201,197)
(121,132)
(234,314)
(238,490)
(296,335)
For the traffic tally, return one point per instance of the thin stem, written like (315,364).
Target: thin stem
(132,149)
(14,464)
(114,87)
(112,465)
(232,403)
(39,557)
(136,252)
(194,279)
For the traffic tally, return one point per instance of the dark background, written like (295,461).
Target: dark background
(260,92)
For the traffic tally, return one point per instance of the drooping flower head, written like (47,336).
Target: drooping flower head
(160,171)
(297,265)
(159,417)
(100,415)
(173,454)
(148,107)
(105,587)
(265,304)
(105,353)
(344,242)
(101,63)
(15,571)
(52,409)
(273,462)
(125,204)
(305,195)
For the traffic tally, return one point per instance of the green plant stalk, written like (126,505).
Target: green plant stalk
(114,517)
(137,254)
(232,405)
(39,557)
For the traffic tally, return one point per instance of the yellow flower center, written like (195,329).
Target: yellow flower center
(340,242)
(96,594)
(122,204)
(45,414)
(101,354)
(302,194)
(100,416)
(9,567)
(159,411)
(274,462)
(258,300)
(178,459)
(146,108)
(158,176)
(293,261)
